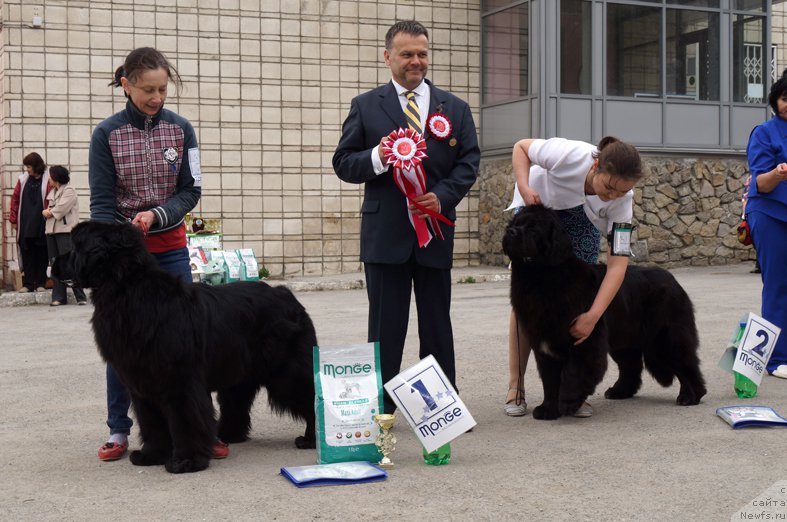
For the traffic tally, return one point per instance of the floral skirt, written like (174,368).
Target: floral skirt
(585,237)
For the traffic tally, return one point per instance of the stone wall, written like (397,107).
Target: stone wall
(686,211)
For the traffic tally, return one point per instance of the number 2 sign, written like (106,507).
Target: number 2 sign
(755,348)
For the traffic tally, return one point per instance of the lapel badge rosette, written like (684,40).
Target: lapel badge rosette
(171,157)
(439,126)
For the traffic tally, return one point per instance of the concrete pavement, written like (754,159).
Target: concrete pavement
(640,459)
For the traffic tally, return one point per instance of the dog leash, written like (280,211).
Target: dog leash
(144,227)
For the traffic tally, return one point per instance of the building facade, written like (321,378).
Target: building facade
(267,84)
(683,80)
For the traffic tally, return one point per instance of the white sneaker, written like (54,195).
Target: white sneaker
(513,409)
(584,411)
(516,407)
(780,371)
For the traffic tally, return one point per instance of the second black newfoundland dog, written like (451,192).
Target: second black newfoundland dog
(172,344)
(651,319)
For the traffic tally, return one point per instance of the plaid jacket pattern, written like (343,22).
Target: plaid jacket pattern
(129,173)
(144,177)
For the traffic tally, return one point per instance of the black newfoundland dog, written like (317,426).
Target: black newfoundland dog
(172,344)
(651,319)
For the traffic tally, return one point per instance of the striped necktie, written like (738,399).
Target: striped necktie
(411,112)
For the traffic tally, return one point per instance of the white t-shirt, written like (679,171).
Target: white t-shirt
(558,171)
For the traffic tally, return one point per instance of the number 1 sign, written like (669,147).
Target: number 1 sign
(755,347)
(430,404)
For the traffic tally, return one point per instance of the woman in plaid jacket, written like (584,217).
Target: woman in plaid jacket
(144,168)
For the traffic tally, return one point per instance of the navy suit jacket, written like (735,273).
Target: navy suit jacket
(386,233)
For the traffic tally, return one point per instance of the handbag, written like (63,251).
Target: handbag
(744,233)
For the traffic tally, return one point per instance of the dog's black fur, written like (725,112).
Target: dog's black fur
(651,319)
(173,343)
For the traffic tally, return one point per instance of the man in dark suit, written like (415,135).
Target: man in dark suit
(394,263)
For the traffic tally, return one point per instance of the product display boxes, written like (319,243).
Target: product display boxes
(206,241)
(232,266)
(223,266)
(251,270)
(216,260)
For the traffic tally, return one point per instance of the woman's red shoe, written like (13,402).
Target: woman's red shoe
(221,450)
(112,450)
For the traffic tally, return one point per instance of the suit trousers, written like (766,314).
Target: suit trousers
(388,289)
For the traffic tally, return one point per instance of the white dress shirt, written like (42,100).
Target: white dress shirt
(422,95)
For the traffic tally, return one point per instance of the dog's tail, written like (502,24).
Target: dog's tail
(662,373)
(672,351)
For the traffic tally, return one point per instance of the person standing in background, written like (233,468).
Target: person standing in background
(61,214)
(27,203)
(766,213)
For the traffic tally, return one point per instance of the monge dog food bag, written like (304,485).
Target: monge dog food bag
(349,393)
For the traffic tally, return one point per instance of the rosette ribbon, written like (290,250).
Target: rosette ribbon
(439,126)
(404,149)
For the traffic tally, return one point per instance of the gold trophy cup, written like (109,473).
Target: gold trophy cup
(385,442)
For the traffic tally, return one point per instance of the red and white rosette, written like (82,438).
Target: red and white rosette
(405,150)
(439,126)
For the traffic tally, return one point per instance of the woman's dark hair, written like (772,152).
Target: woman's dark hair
(59,174)
(35,161)
(142,60)
(618,159)
(778,90)
(407,26)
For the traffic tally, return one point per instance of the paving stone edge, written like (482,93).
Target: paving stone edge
(346,282)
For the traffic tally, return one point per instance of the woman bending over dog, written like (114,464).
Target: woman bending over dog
(591,187)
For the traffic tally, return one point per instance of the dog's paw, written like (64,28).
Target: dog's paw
(568,408)
(616,393)
(689,398)
(302,442)
(175,465)
(540,412)
(144,458)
